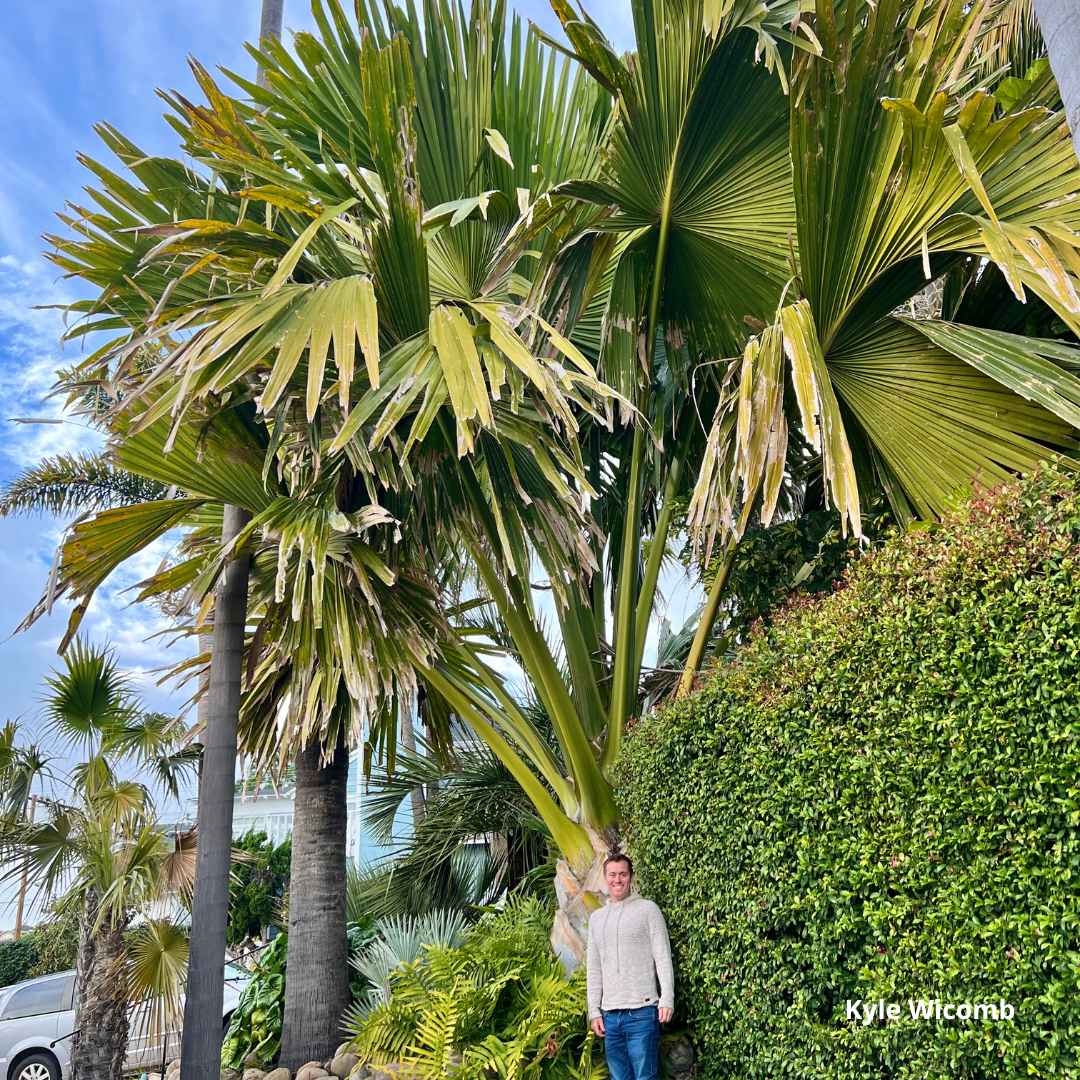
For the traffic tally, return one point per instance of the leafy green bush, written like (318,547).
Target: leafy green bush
(57,944)
(880,800)
(257,884)
(256,1024)
(17,959)
(497,1004)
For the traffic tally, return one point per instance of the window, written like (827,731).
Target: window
(35,999)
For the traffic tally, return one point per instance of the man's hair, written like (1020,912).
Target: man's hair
(619,856)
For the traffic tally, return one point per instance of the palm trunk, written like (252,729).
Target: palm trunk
(579,895)
(317,971)
(269,27)
(1059,21)
(204,1005)
(101,999)
(408,743)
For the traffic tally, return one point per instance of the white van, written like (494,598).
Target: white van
(37,1025)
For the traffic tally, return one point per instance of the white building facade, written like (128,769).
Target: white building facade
(271,811)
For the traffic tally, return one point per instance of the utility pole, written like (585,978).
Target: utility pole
(25,875)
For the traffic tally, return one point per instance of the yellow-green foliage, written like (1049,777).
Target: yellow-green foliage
(497,1006)
(880,799)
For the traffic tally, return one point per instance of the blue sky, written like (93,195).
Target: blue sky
(66,65)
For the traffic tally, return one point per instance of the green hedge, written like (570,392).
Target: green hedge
(881,799)
(17,959)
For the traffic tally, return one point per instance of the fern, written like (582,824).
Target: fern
(490,1002)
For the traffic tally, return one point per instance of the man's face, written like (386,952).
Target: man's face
(618,878)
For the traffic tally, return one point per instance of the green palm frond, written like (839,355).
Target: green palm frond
(889,403)
(90,700)
(75,483)
(156,966)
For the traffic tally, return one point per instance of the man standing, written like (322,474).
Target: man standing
(628,953)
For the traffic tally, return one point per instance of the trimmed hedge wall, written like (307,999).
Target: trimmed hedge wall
(881,800)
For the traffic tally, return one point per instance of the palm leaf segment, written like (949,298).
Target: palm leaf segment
(896,180)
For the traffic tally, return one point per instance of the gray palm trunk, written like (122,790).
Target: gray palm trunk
(101,997)
(1059,21)
(317,971)
(408,743)
(200,1052)
(201,1045)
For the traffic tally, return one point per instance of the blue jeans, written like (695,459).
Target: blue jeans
(632,1042)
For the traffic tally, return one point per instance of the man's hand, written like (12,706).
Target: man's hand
(665,1015)
(598,1026)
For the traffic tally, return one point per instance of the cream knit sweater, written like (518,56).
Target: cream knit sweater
(628,952)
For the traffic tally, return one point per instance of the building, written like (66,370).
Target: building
(270,810)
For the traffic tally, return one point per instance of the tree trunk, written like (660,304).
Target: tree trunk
(1059,21)
(269,27)
(101,998)
(579,895)
(204,1004)
(408,743)
(317,969)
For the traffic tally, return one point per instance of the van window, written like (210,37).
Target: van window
(35,999)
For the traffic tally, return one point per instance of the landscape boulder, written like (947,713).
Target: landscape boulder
(343,1065)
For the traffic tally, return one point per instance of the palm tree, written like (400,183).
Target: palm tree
(466,248)
(101,850)
(210,917)
(440,865)
(690,188)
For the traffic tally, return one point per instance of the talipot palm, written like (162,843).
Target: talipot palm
(468,251)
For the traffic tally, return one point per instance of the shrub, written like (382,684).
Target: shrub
(57,944)
(879,800)
(17,959)
(496,1005)
(256,1025)
(257,884)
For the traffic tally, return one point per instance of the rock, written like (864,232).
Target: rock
(343,1065)
(253,1061)
(153,1076)
(310,1072)
(172,1066)
(342,1050)
(230,1074)
(382,1074)
(678,1054)
(254,1074)
(278,1074)
(362,1073)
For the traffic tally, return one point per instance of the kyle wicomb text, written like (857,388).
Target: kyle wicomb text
(869,1011)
